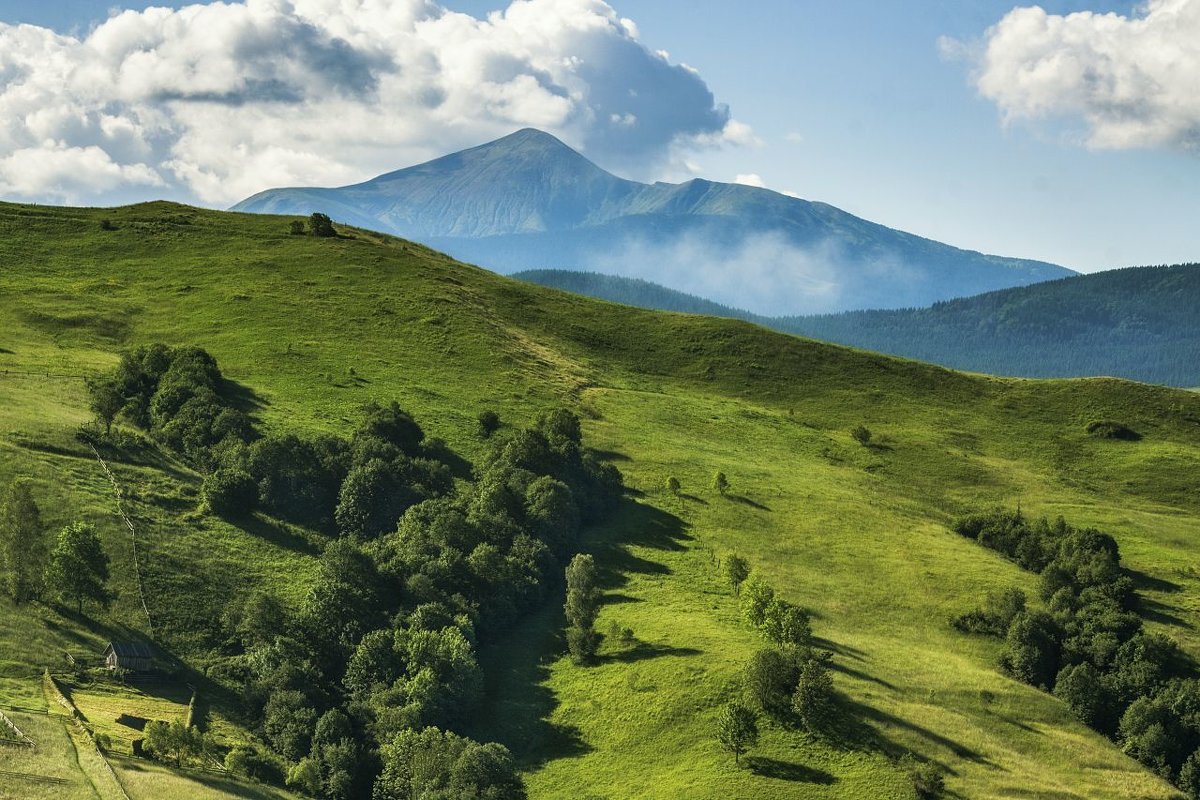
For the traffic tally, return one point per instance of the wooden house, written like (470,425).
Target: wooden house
(132,656)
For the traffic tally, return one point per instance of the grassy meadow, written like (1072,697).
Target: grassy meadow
(313,329)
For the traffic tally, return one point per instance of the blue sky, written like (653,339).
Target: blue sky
(856,104)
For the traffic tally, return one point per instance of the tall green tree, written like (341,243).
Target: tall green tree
(106,400)
(583,605)
(813,700)
(736,570)
(737,729)
(78,566)
(22,543)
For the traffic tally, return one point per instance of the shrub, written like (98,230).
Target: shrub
(861,434)
(107,225)
(296,228)
(771,680)
(927,779)
(720,482)
(489,423)
(1109,429)
(673,485)
(583,604)
(321,225)
(230,493)
(814,699)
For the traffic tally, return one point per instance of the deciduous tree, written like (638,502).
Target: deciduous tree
(737,729)
(78,566)
(23,543)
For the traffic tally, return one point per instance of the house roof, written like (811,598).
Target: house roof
(130,649)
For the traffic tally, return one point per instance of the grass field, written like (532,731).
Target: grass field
(859,535)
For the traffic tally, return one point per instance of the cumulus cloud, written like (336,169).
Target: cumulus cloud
(1131,80)
(218,101)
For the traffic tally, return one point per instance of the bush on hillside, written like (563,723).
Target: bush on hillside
(1108,429)
(321,225)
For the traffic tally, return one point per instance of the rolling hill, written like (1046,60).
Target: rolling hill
(528,201)
(312,329)
(1141,323)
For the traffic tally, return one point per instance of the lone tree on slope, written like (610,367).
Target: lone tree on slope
(78,567)
(737,729)
(583,605)
(321,225)
(22,543)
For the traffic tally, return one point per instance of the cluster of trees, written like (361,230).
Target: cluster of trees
(176,743)
(369,685)
(73,569)
(177,394)
(319,225)
(358,487)
(789,680)
(1087,645)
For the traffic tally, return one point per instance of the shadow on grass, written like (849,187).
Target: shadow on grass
(1150,583)
(617,599)
(242,397)
(786,771)
(518,704)
(746,501)
(691,498)
(635,525)
(277,533)
(139,452)
(610,455)
(643,651)
(1160,613)
(853,729)
(836,648)
(858,673)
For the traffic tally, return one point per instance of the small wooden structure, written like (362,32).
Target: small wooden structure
(132,656)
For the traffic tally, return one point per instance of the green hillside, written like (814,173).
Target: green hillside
(312,329)
(1138,323)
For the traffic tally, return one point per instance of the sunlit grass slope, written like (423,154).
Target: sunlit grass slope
(315,328)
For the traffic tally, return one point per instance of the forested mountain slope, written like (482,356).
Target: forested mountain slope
(1141,323)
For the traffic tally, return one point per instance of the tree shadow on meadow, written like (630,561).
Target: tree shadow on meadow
(635,525)
(787,771)
(517,702)
(643,651)
(746,501)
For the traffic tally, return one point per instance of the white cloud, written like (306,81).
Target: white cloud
(751,179)
(68,174)
(1131,80)
(219,101)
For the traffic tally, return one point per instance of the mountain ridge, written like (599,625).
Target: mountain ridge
(1137,323)
(529,201)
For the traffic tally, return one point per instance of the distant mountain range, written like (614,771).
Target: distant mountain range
(1140,323)
(529,201)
